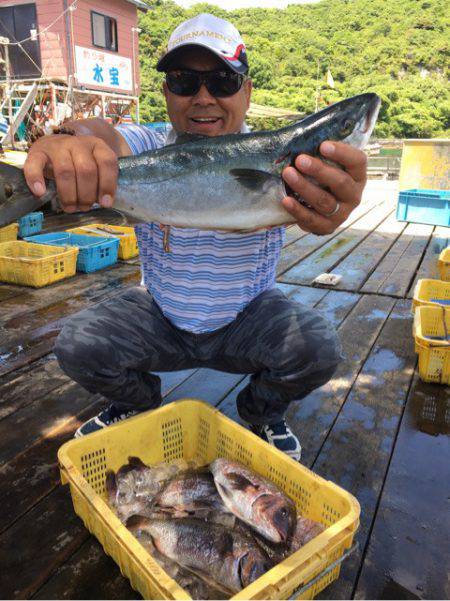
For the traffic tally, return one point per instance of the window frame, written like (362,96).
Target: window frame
(107,31)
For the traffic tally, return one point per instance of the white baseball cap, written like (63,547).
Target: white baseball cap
(217,35)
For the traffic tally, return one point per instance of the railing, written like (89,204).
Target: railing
(387,166)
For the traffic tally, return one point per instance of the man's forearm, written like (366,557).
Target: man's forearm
(103,130)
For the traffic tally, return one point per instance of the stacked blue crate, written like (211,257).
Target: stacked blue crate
(30,224)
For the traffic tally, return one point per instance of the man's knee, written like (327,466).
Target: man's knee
(312,343)
(76,349)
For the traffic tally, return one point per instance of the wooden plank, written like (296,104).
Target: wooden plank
(33,472)
(429,268)
(88,574)
(335,305)
(357,451)
(34,547)
(359,264)
(395,273)
(304,246)
(31,303)
(7,291)
(207,385)
(43,418)
(293,233)
(325,258)
(30,384)
(23,346)
(409,547)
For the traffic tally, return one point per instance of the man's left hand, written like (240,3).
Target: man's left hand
(331,206)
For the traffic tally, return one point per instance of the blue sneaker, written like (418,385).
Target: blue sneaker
(281,437)
(107,417)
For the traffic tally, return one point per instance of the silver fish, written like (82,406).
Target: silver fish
(230,182)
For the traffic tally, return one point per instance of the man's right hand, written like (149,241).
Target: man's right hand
(84,168)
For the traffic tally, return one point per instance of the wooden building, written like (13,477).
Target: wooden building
(64,58)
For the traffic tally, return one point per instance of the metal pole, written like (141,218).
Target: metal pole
(8,91)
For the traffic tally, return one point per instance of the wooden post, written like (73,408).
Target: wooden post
(53,101)
(103,106)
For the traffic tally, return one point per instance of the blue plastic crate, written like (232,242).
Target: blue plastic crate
(95,252)
(424,206)
(30,224)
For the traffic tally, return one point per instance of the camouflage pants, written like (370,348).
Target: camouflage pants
(113,347)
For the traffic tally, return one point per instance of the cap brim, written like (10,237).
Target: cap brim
(168,60)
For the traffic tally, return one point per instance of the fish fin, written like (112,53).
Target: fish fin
(124,469)
(136,463)
(187,137)
(252,179)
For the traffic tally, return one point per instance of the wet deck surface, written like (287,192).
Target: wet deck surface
(374,429)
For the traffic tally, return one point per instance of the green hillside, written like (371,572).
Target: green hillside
(398,49)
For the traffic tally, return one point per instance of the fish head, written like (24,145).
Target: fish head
(350,121)
(274,516)
(16,199)
(253,565)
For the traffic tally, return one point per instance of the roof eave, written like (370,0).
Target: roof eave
(140,4)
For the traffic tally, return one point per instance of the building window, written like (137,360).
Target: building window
(104,31)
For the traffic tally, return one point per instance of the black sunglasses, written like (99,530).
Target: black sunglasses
(219,83)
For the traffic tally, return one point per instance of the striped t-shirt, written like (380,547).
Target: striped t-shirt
(208,276)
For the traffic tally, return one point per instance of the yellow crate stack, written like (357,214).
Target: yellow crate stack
(128,247)
(431,329)
(192,429)
(35,265)
(432,343)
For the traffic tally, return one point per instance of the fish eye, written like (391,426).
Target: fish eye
(347,127)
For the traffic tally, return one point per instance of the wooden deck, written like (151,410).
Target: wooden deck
(375,428)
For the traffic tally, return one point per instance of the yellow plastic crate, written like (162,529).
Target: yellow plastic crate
(192,429)
(35,265)
(432,293)
(128,247)
(9,232)
(432,343)
(444,264)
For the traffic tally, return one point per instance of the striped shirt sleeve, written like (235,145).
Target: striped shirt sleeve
(141,138)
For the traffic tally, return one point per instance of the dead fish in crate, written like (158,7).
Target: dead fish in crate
(193,493)
(133,488)
(223,556)
(197,587)
(255,500)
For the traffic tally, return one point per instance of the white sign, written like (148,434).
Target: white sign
(102,69)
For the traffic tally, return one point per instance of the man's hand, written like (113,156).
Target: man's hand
(84,168)
(330,207)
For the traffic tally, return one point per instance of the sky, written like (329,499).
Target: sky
(233,4)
